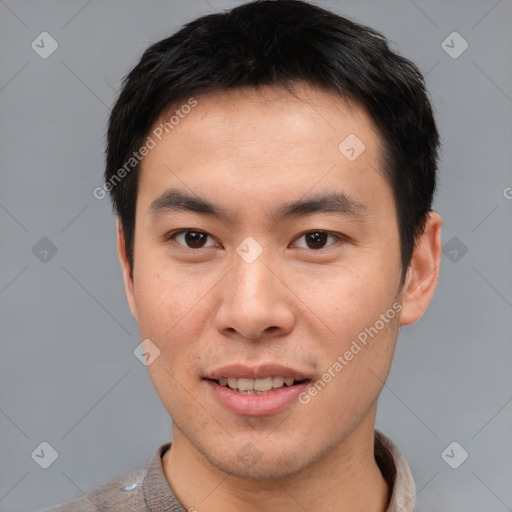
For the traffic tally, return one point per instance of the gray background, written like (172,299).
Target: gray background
(68,373)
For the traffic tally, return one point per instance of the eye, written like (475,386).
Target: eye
(191,238)
(317,239)
(194,239)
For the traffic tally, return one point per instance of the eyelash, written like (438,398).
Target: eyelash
(173,234)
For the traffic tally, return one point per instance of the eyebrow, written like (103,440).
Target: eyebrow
(339,203)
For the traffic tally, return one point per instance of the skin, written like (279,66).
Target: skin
(250,151)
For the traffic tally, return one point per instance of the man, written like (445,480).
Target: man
(272,169)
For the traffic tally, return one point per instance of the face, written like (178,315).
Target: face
(234,282)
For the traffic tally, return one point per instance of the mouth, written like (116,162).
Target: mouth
(259,386)
(256,391)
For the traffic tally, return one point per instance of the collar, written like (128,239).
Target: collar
(395,470)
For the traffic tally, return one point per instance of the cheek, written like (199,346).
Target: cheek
(357,343)
(171,309)
(349,301)
(355,354)
(168,305)
(161,295)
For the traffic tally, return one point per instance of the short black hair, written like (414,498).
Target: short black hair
(281,42)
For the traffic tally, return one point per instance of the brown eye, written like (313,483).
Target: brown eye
(190,238)
(317,239)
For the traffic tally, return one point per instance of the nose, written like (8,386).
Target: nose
(255,301)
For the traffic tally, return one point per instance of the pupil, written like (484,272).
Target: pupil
(317,238)
(193,237)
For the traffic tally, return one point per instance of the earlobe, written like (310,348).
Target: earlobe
(125,266)
(423,272)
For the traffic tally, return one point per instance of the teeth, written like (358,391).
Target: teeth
(277,382)
(256,386)
(245,384)
(263,384)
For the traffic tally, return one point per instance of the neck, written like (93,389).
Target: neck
(347,479)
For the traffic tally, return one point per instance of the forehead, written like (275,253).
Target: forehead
(264,143)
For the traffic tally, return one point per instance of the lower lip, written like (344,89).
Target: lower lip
(257,405)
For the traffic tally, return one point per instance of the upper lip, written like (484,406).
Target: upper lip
(255,372)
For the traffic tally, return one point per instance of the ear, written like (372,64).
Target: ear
(125,265)
(423,272)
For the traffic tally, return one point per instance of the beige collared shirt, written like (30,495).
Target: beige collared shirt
(147,490)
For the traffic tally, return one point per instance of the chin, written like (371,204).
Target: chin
(265,469)
(258,459)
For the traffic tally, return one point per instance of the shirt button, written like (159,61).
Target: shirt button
(130,487)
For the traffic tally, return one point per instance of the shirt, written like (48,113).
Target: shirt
(147,490)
